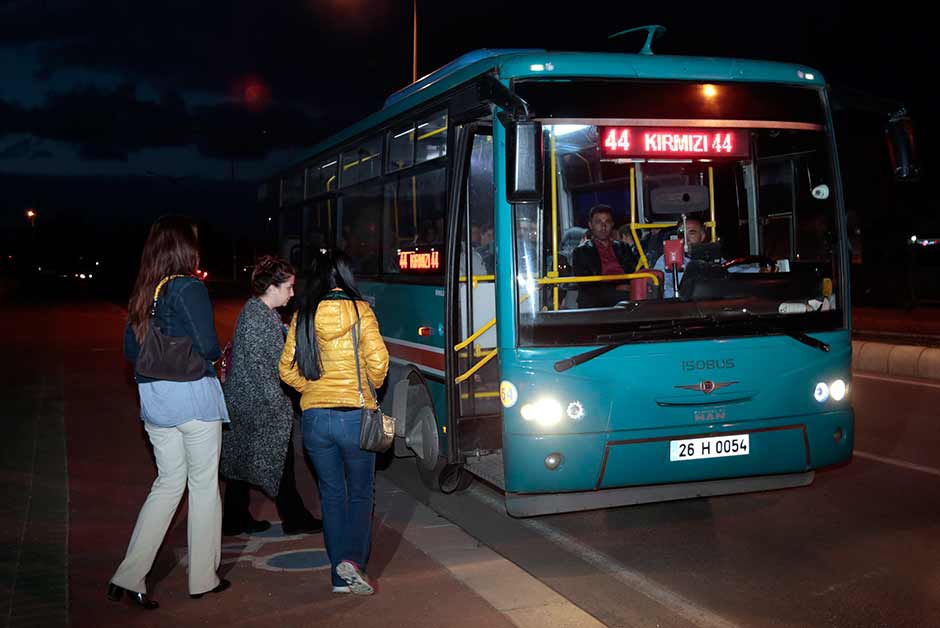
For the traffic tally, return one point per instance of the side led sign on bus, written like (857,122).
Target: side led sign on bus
(419,260)
(629,141)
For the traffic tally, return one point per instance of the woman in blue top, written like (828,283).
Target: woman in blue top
(183,419)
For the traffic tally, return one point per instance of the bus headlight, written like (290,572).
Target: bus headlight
(821,394)
(544,411)
(837,390)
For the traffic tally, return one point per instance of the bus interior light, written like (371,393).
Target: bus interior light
(821,394)
(544,412)
(837,390)
(567,129)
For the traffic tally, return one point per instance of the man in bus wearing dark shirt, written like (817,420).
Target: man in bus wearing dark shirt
(602,255)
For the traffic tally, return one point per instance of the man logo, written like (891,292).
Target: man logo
(707,386)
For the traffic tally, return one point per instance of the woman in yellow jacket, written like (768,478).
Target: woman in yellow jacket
(319,361)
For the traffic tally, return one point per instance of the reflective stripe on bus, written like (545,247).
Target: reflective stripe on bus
(427,358)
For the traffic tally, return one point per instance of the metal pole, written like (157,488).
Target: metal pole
(414,41)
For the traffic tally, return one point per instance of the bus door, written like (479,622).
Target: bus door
(474,380)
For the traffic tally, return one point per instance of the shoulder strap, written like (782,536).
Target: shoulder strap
(156,292)
(355,332)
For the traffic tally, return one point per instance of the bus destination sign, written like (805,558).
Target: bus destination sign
(627,141)
(419,260)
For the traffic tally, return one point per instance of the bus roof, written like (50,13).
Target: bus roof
(537,63)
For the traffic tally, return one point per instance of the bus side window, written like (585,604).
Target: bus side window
(414,208)
(359,232)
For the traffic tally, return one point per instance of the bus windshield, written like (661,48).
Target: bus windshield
(691,226)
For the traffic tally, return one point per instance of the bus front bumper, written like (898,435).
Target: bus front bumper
(532,504)
(620,468)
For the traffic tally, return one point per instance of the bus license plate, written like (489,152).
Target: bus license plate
(712,447)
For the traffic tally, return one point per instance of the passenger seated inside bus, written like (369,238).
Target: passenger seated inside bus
(627,237)
(427,234)
(602,254)
(487,248)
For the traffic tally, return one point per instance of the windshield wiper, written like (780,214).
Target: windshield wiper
(628,337)
(808,340)
(749,319)
(799,336)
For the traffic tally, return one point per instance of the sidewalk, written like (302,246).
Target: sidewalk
(66,521)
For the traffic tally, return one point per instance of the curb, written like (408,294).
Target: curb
(897,360)
(522,598)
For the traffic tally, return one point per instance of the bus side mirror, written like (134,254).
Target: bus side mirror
(899,134)
(523,162)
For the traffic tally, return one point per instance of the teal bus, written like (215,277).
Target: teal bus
(463,203)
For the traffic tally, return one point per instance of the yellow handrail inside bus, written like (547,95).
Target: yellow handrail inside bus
(489,356)
(475,335)
(476,279)
(711,202)
(644,262)
(481,395)
(431,133)
(476,367)
(547,281)
(554,271)
(361,160)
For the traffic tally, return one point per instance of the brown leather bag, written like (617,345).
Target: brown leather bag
(166,357)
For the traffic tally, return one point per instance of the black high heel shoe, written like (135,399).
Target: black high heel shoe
(140,599)
(222,586)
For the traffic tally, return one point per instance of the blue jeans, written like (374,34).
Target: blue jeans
(347,483)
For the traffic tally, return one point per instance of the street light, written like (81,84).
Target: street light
(414,41)
(31,216)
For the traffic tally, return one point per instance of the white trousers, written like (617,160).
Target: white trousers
(187,456)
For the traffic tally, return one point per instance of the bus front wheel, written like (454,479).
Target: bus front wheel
(445,478)
(421,438)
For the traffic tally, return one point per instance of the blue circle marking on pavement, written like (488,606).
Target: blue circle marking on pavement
(294,560)
(274,531)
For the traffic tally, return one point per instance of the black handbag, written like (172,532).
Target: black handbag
(166,357)
(377,431)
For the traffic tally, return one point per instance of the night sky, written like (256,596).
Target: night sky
(154,103)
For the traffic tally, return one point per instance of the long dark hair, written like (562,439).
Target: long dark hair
(172,248)
(327,271)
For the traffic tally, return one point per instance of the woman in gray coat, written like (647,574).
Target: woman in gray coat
(258,448)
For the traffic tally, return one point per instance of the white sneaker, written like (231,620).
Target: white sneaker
(341,589)
(352,574)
